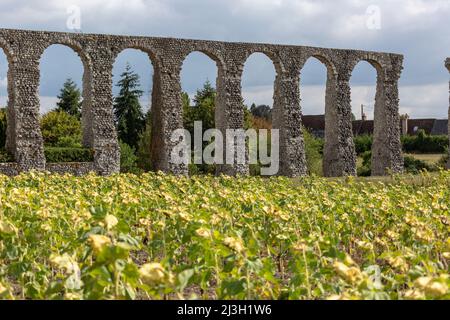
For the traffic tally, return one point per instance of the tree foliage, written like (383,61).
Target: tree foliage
(128,158)
(314,153)
(203,109)
(60,129)
(69,99)
(144,147)
(261,111)
(3,125)
(127,108)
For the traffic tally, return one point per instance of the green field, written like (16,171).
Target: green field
(428,158)
(163,237)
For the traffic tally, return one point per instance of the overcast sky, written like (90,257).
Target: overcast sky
(418,29)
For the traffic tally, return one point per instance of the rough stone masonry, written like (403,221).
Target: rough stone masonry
(447,64)
(98,52)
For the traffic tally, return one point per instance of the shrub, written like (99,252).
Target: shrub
(128,159)
(3,126)
(5,156)
(411,164)
(423,143)
(444,161)
(314,151)
(363,143)
(414,166)
(144,146)
(57,154)
(68,142)
(365,170)
(59,128)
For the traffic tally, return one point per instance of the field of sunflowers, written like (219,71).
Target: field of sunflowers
(156,236)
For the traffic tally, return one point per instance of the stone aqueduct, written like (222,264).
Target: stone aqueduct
(98,52)
(447,64)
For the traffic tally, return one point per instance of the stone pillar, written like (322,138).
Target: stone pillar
(230,115)
(11,115)
(100,133)
(86,108)
(167,113)
(24,139)
(404,124)
(339,157)
(387,149)
(287,117)
(447,64)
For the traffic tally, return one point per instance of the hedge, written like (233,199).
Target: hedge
(5,156)
(424,143)
(55,154)
(420,143)
(411,164)
(363,143)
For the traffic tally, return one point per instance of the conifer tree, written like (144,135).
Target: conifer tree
(70,99)
(127,108)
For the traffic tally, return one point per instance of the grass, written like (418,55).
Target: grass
(431,158)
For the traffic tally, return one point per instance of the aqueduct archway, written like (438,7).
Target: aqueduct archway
(447,64)
(98,53)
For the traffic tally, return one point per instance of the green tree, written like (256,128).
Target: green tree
(314,153)
(60,129)
(202,110)
(70,99)
(128,159)
(3,126)
(144,148)
(261,111)
(127,109)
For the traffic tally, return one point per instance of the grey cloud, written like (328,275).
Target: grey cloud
(416,28)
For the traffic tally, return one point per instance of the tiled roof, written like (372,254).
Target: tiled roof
(361,127)
(440,127)
(414,125)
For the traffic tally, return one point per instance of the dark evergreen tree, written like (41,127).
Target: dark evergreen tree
(127,109)
(202,110)
(261,111)
(70,99)
(208,92)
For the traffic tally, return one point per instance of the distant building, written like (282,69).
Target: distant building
(316,125)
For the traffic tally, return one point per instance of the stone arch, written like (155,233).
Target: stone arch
(214,55)
(332,160)
(206,58)
(9,52)
(273,102)
(324,58)
(372,65)
(447,64)
(11,94)
(136,55)
(154,58)
(271,55)
(86,87)
(72,44)
(386,148)
(276,63)
(262,86)
(372,60)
